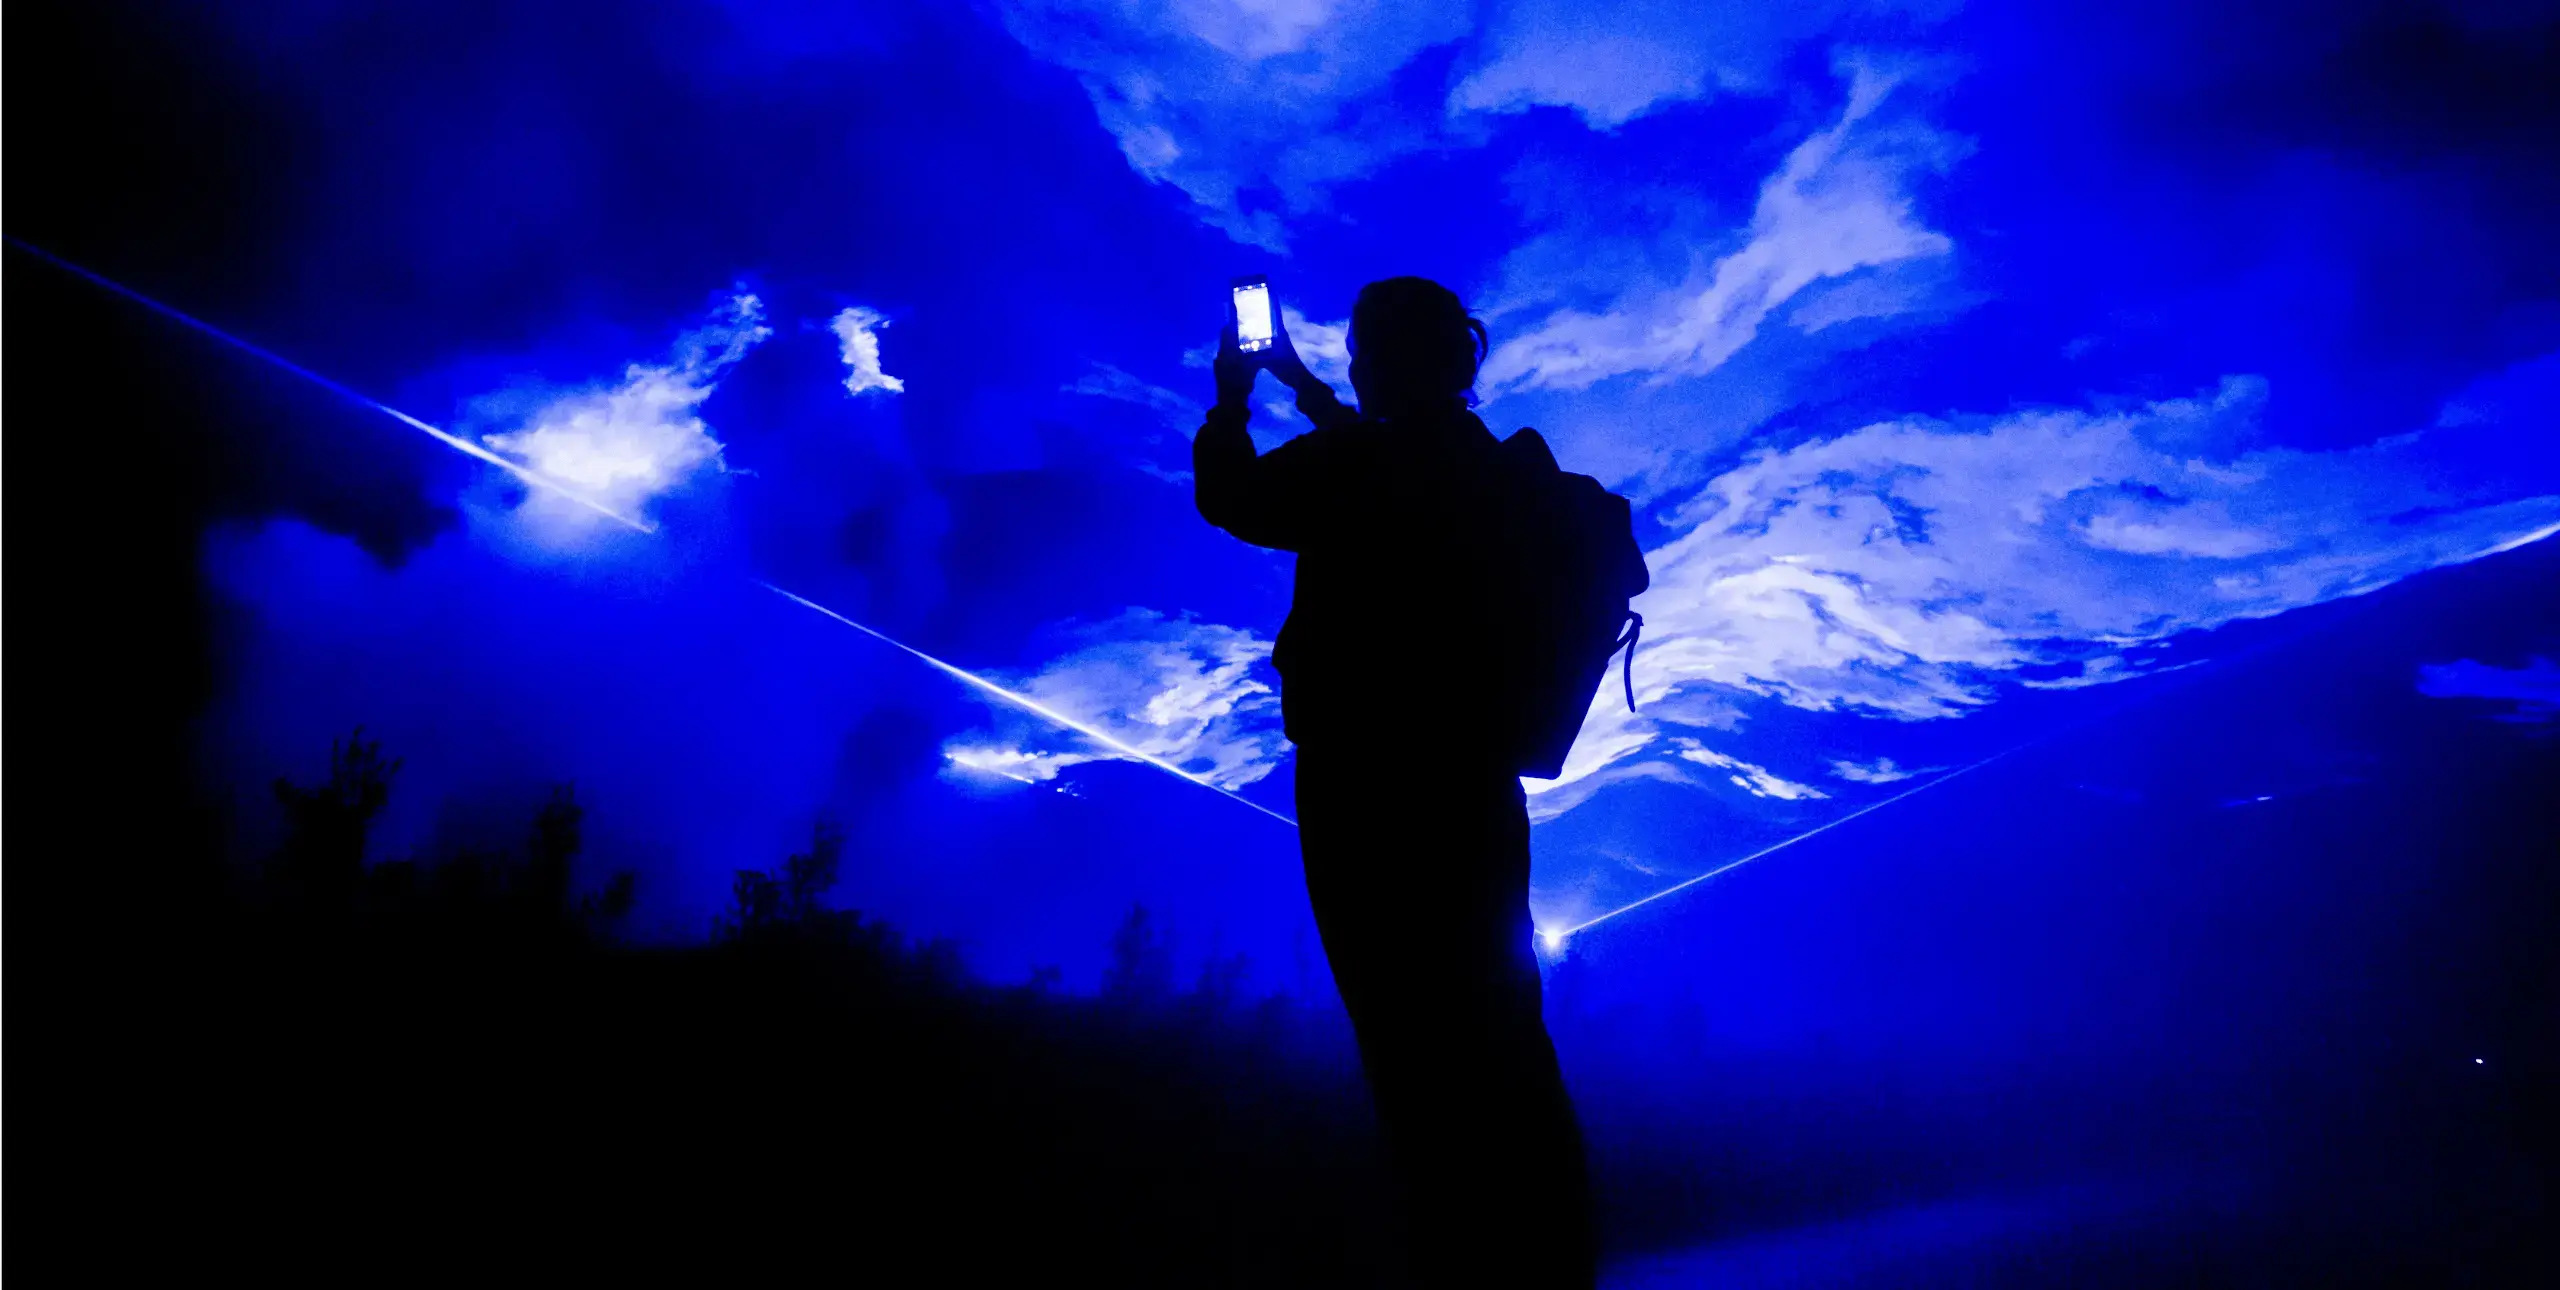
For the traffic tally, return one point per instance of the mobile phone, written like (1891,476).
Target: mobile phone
(1254,331)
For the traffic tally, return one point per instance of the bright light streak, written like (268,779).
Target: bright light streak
(1731,865)
(540,480)
(456,442)
(1027,703)
(1553,939)
(2528,539)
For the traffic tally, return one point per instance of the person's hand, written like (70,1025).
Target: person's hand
(1234,369)
(1283,359)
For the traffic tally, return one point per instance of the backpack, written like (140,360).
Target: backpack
(1570,547)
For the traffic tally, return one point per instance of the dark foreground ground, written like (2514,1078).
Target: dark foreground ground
(294,1102)
(331,1109)
(2252,986)
(2251,982)
(301,1111)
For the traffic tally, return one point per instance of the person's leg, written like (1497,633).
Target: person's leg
(1545,1136)
(1361,833)
(1535,1122)
(1519,1166)
(1468,1086)
(1419,883)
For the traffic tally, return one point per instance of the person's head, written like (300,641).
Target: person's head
(1413,348)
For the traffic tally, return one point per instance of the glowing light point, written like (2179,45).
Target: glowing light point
(2479,1061)
(1553,940)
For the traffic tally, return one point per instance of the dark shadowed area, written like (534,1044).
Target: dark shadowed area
(2090,813)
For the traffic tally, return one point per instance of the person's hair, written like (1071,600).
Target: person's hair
(1412,335)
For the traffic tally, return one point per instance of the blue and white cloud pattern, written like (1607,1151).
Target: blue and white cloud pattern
(1912,568)
(1907,570)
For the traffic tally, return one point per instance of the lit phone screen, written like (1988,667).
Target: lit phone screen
(1253,317)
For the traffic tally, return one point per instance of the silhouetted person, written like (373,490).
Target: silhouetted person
(1412,822)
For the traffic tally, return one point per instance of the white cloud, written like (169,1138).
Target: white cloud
(2534,688)
(1880,771)
(2104,670)
(1615,60)
(1755,780)
(1011,763)
(858,330)
(1563,795)
(1326,350)
(1324,347)
(629,443)
(1252,30)
(1609,733)
(1609,77)
(2197,528)
(1253,108)
(1913,569)
(1882,293)
(1612,733)
(1174,411)
(1185,692)
(1838,205)
(1607,754)
(1907,568)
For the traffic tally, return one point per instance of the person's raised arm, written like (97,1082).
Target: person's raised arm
(1316,400)
(1270,499)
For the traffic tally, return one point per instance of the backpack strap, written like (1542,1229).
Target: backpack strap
(1627,670)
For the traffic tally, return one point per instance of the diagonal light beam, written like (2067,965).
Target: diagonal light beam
(537,479)
(549,484)
(454,441)
(1028,704)
(1555,939)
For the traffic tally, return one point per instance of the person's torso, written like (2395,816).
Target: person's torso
(1391,622)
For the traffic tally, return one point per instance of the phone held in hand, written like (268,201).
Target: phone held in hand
(1254,331)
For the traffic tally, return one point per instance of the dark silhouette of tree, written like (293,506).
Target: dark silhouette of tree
(465,884)
(371,1044)
(811,874)
(1214,996)
(320,867)
(755,906)
(603,911)
(1140,973)
(543,896)
(393,888)
(938,965)
(764,903)
(1272,1024)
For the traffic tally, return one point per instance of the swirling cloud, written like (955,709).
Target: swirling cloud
(628,443)
(1191,694)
